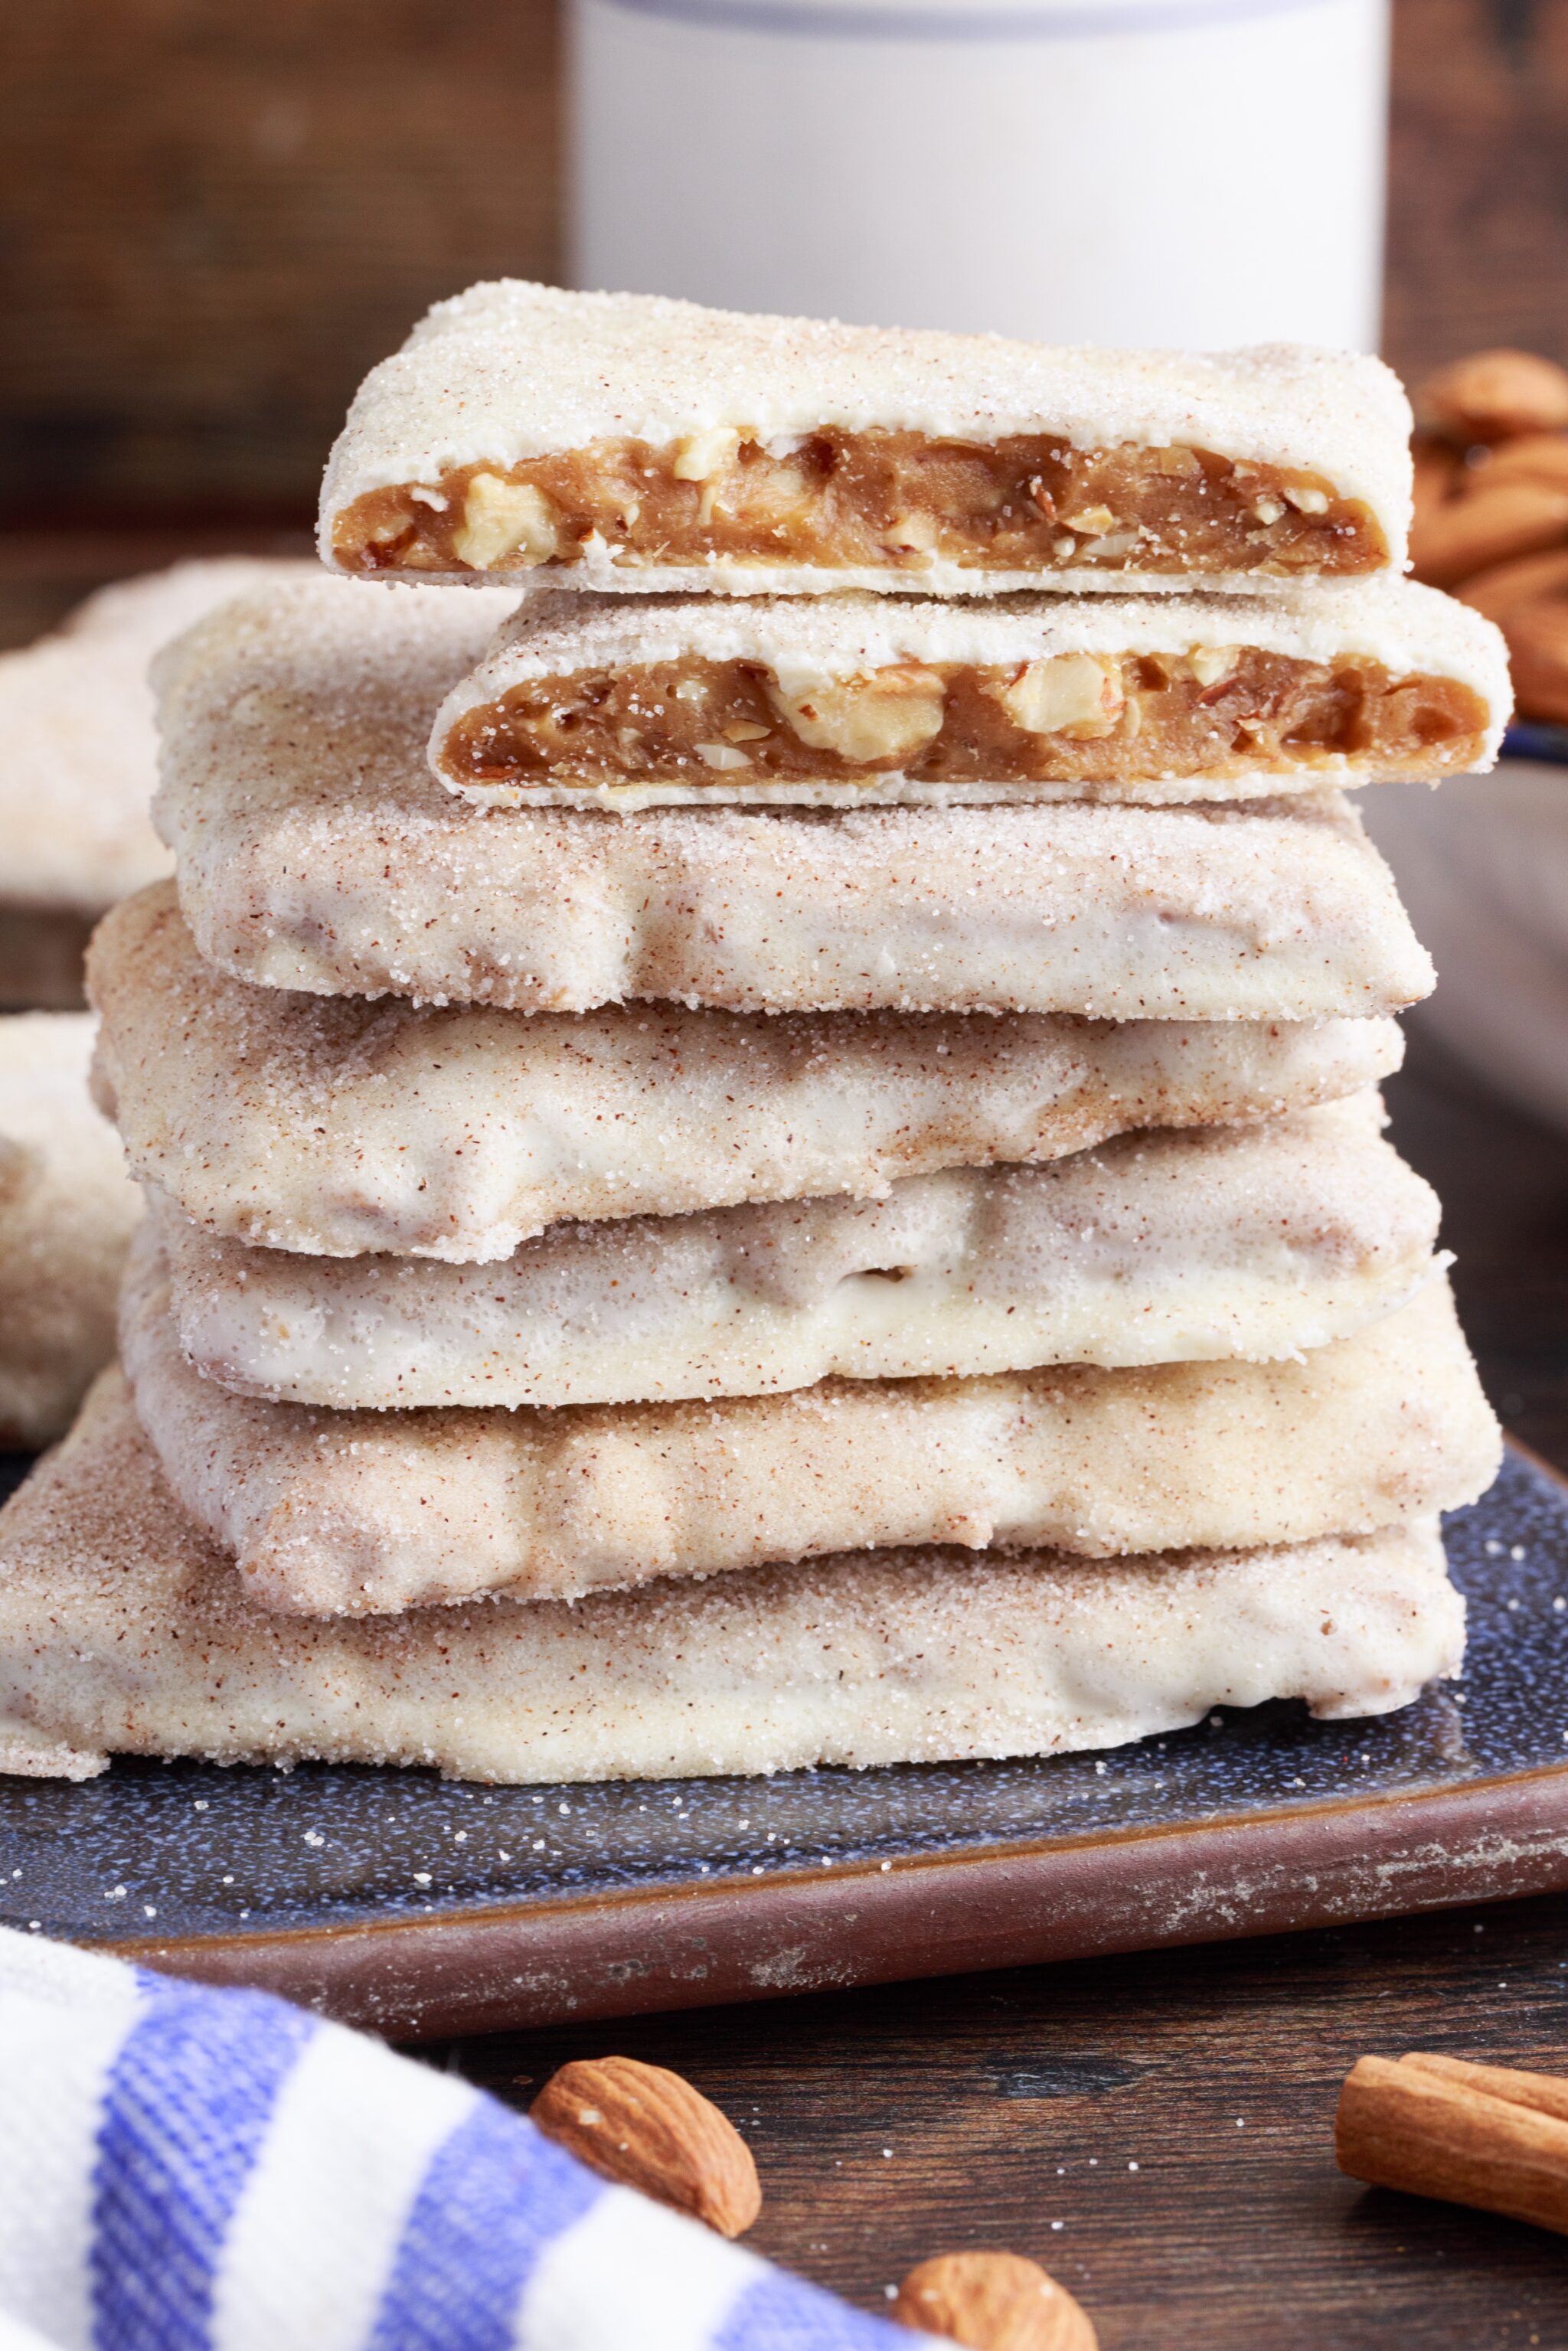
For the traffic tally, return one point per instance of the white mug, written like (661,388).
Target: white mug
(1201,173)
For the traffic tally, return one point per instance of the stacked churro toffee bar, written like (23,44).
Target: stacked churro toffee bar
(787,1166)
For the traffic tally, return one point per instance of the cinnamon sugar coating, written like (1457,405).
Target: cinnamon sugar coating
(356,1513)
(335,1126)
(1210,1242)
(626,441)
(124,1630)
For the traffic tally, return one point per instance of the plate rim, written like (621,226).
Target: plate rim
(660,1946)
(639,1950)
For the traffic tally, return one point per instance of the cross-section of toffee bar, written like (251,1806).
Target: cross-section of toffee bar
(833,701)
(629,441)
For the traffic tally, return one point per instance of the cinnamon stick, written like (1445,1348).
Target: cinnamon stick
(1481,2134)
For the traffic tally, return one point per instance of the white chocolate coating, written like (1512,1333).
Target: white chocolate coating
(317,852)
(1251,1241)
(356,1513)
(122,1629)
(333,1126)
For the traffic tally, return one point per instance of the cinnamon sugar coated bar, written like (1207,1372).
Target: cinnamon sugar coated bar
(78,752)
(335,1126)
(68,1210)
(586,701)
(1255,1240)
(627,440)
(356,1513)
(123,1629)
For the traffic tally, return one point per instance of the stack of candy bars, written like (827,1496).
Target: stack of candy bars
(761,1132)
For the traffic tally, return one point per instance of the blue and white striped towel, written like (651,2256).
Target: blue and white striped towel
(183,2168)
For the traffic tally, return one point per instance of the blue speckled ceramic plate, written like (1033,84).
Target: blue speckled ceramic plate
(395,1900)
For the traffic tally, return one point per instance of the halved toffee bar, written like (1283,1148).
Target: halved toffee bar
(315,853)
(874,500)
(631,443)
(832,700)
(1079,717)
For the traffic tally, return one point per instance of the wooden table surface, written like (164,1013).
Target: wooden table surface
(1158,2130)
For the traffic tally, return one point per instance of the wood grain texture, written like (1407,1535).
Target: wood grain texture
(216,218)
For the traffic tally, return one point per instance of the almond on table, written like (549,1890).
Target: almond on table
(631,441)
(647,2128)
(993,2302)
(628,703)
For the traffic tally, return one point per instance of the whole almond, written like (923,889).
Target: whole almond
(646,2128)
(993,2302)
(1502,586)
(1492,396)
(1484,527)
(1533,457)
(1537,637)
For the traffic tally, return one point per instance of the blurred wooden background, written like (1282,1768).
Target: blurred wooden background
(212,218)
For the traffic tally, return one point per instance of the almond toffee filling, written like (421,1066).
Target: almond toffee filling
(872,500)
(1077,717)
